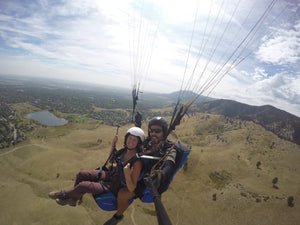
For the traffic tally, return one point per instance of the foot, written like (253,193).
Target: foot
(68,201)
(114,220)
(59,195)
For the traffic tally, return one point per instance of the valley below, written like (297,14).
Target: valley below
(237,173)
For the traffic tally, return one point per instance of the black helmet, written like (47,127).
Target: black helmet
(159,121)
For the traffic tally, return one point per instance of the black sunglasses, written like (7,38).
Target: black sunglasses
(157,131)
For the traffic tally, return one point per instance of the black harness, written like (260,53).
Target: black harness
(116,174)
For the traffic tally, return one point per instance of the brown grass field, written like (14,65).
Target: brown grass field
(221,185)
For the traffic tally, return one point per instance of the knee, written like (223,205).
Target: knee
(82,185)
(80,174)
(124,194)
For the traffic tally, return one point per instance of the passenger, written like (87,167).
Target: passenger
(121,178)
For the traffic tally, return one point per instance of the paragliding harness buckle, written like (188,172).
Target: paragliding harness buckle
(101,181)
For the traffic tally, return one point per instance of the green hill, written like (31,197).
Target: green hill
(223,182)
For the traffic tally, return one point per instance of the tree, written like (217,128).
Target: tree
(274,181)
(258,165)
(290,201)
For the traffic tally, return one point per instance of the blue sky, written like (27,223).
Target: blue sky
(164,45)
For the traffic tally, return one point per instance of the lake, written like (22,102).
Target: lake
(47,118)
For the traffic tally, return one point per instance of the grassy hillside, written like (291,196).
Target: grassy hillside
(223,183)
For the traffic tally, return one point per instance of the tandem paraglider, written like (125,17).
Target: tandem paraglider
(145,167)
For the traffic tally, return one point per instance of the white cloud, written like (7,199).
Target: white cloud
(259,74)
(281,90)
(282,87)
(282,48)
(89,40)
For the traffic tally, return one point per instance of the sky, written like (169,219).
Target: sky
(244,50)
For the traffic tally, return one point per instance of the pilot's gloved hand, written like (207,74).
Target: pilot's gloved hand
(158,178)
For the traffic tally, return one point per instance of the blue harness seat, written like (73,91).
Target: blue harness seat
(108,202)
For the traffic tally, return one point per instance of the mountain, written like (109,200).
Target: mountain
(68,97)
(283,124)
(186,95)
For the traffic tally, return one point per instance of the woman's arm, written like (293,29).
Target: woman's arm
(132,174)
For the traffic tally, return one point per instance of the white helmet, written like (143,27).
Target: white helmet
(138,132)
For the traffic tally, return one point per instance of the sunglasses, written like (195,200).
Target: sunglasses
(157,131)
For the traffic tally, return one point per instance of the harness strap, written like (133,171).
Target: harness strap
(104,186)
(101,181)
(99,173)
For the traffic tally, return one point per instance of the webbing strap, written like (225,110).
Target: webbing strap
(101,181)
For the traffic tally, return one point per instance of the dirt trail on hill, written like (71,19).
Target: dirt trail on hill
(16,148)
(132,216)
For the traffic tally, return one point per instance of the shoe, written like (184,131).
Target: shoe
(60,195)
(113,221)
(68,201)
